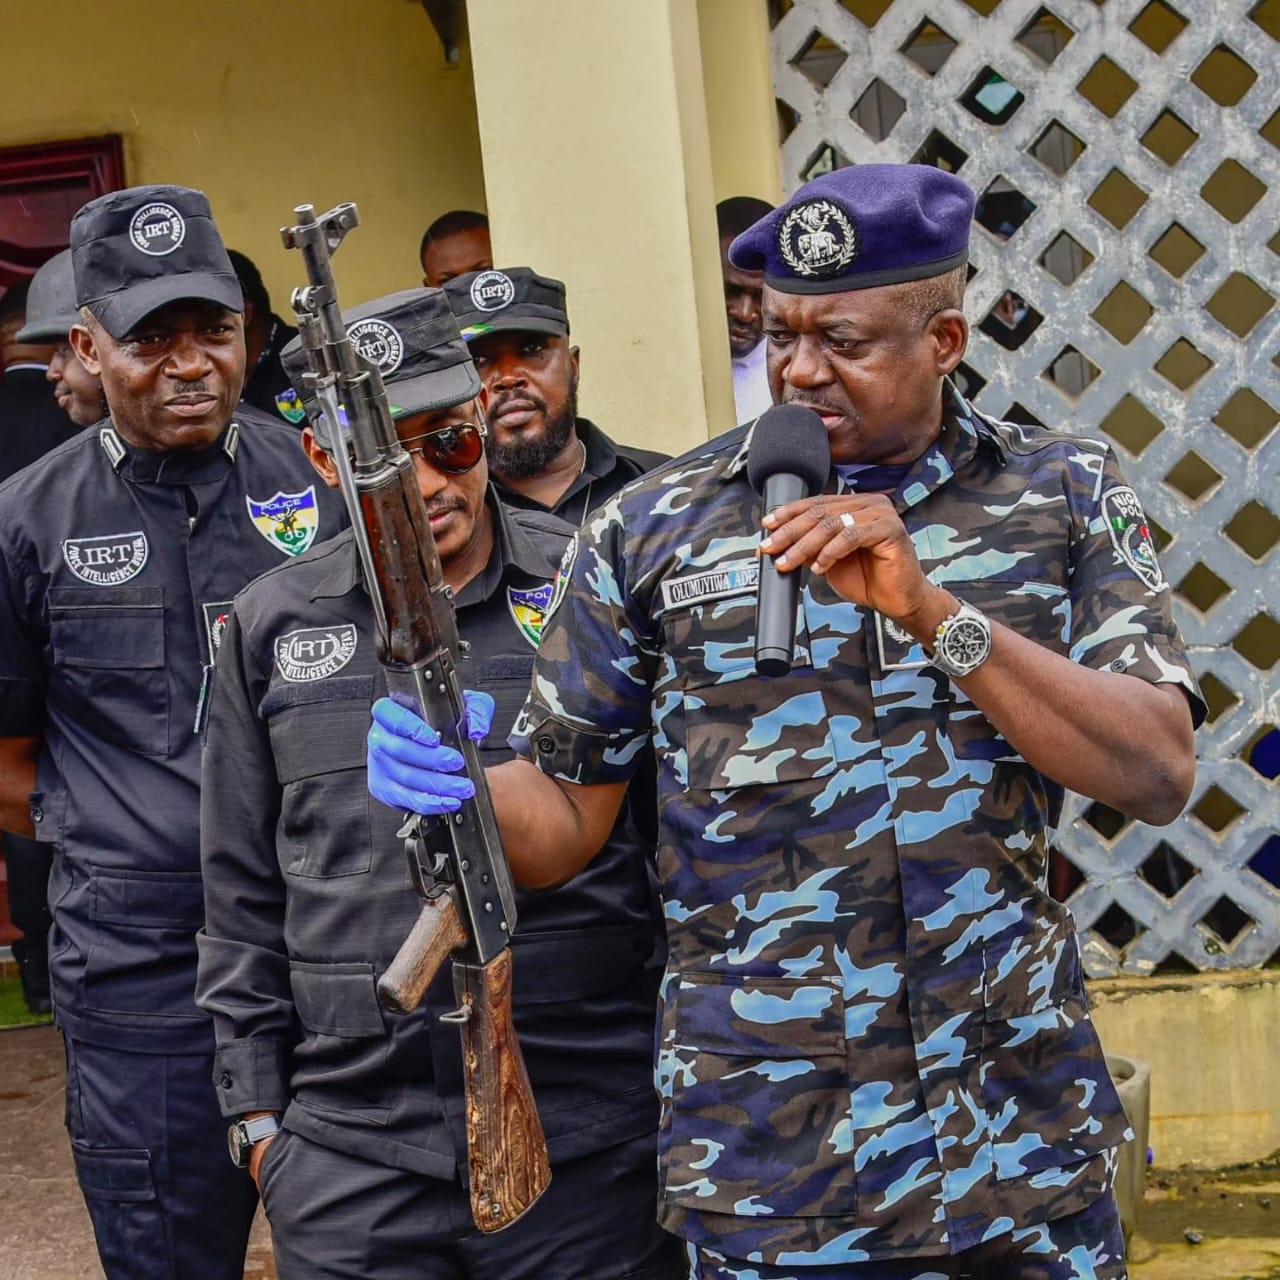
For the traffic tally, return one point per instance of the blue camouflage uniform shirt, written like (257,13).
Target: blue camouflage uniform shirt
(875,1039)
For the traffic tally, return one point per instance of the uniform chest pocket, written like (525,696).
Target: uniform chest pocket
(318,733)
(744,730)
(108,646)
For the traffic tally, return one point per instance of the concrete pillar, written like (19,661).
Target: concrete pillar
(737,69)
(597,163)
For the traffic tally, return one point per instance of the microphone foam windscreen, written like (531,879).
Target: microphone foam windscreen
(789,439)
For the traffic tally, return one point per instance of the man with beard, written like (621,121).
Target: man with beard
(121,552)
(359,1117)
(51,315)
(542,456)
(742,296)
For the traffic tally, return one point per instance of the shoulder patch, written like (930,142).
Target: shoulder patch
(290,405)
(1131,536)
(108,561)
(288,521)
(315,652)
(564,575)
(529,609)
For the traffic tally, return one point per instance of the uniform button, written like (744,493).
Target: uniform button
(1120,666)
(37,813)
(226,1080)
(546,744)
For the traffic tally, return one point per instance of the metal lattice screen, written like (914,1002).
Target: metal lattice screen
(1127,159)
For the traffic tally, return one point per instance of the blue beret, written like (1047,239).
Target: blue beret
(861,227)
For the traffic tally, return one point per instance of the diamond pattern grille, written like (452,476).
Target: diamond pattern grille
(1128,156)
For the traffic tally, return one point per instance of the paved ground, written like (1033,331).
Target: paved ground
(45,1234)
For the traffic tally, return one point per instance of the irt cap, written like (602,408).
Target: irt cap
(413,338)
(517,300)
(137,250)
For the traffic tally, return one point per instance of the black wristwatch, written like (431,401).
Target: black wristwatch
(244,1135)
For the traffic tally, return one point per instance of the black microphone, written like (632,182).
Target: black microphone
(789,458)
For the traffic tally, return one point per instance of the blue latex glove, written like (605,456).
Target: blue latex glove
(409,769)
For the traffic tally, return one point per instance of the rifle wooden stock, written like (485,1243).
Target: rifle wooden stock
(506,1151)
(435,935)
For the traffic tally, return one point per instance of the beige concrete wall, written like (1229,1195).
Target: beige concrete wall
(1213,1044)
(737,71)
(597,163)
(264,104)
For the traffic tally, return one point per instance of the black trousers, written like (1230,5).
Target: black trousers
(337,1217)
(29,863)
(151,1157)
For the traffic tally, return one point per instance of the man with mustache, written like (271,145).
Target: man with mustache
(352,1120)
(542,456)
(121,553)
(876,1059)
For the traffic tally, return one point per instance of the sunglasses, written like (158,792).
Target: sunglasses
(454,450)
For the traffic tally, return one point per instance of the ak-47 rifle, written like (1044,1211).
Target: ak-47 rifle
(457,863)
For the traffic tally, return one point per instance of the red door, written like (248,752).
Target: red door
(41,187)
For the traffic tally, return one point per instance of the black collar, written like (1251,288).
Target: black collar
(171,466)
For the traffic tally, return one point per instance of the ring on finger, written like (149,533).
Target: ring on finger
(846,519)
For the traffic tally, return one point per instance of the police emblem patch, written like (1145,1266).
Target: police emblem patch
(157,230)
(288,521)
(529,609)
(315,652)
(564,575)
(818,239)
(379,343)
(290,405)
(108,561)
(217,613)
(492,290)
(1131,536)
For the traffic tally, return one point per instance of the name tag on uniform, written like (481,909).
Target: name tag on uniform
(715,584)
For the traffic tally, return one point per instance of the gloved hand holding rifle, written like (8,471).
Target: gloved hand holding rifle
(454,850)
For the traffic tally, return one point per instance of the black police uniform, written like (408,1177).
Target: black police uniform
(308,898)
(608,467)
(267,386)
(119,568)
(31,421)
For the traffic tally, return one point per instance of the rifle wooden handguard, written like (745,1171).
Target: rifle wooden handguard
(436,934)
(506,1151)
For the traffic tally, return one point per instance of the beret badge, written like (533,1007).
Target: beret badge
(817,239)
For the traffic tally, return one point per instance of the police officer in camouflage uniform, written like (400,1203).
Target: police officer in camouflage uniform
(121,551)
(353,1121)
(876,1058)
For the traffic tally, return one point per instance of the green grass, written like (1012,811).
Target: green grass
(13,1009)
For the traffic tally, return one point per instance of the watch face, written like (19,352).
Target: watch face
(966,644)
(237,1145)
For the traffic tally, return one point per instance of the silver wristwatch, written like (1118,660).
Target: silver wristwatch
(244,1135)
(962,642)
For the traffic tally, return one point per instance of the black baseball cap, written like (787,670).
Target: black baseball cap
(413,338)
(51,302)
(136,250)
(515,299)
